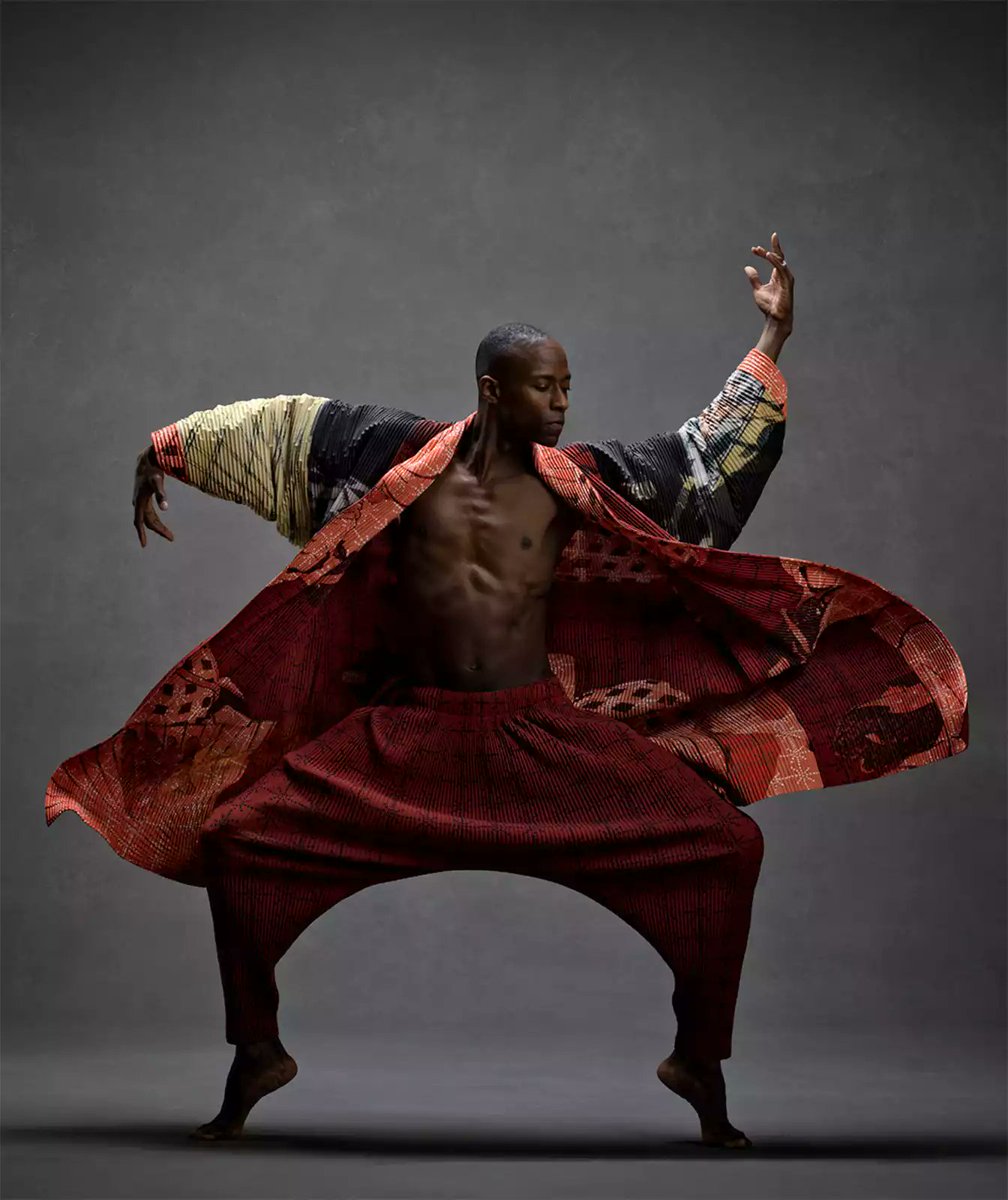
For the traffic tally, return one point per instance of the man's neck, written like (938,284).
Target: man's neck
(489,452)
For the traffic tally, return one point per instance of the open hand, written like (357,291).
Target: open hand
(776,297)
(148,486)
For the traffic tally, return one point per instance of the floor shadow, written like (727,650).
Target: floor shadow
(465,1143)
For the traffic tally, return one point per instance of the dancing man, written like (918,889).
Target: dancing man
(541,661)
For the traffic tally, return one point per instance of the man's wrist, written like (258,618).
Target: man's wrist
(773,337)
(151,456)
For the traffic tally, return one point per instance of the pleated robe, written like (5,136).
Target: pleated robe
(767,674)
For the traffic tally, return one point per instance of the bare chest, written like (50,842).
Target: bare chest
(512,527)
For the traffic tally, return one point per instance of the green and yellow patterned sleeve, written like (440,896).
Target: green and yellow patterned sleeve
(254,452)
(701,482)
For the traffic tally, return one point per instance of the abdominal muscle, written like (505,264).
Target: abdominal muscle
(474,565)
(470,641)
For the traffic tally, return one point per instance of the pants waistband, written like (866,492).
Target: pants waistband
(479,706)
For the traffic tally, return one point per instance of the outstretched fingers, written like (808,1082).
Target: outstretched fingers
(145,516)
(775,256)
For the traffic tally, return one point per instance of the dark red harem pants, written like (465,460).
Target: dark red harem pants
(425,779)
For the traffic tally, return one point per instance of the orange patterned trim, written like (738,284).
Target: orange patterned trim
(168,449)
(768,373)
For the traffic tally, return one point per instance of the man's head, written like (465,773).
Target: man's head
(522,373)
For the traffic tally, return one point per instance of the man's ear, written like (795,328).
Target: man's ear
(489,389)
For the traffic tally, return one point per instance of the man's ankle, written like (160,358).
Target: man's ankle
(696,1062)
(258,1048)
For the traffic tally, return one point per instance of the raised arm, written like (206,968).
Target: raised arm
(295,460)
(701,481)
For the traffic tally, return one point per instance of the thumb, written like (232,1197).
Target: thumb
(753,276)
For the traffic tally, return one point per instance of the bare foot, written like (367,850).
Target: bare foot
(258,1069)
(702,1085)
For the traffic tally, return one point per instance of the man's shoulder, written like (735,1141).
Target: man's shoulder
(341,424)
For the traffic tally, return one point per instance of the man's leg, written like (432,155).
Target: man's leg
(637,829)
(257,917)
(697,915)
(278,856)
(526,781)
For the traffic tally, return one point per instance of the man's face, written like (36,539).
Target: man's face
(531,391)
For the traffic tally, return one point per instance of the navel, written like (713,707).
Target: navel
(526,542)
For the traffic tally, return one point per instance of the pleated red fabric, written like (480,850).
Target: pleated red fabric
(519,780)
(766,675)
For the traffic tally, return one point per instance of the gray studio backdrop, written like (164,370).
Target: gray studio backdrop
(205,203)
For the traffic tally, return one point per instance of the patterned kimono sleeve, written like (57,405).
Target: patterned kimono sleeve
(294,460)
(352,446)
(701,482)
(253,452)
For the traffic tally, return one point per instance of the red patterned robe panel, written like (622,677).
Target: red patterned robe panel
(767,675)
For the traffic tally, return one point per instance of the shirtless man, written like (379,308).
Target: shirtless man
(474,556)
(477,551)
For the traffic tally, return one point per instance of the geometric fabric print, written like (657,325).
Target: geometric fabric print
(597,554)
(188,694)
(763,747)
(631,698)
(932,660)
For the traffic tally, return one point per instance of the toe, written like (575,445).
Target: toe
(727,1141)
(214,1133)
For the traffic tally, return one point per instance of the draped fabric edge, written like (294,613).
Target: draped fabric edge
(773,616)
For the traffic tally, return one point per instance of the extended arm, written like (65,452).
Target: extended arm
(701,481)
(254,452)
(295,460)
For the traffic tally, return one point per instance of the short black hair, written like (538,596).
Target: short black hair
(500,342)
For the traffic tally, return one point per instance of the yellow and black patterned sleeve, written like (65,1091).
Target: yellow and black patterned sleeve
(701,482)
(295,460)
(254,452)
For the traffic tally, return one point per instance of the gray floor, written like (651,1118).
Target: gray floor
(855,1117)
